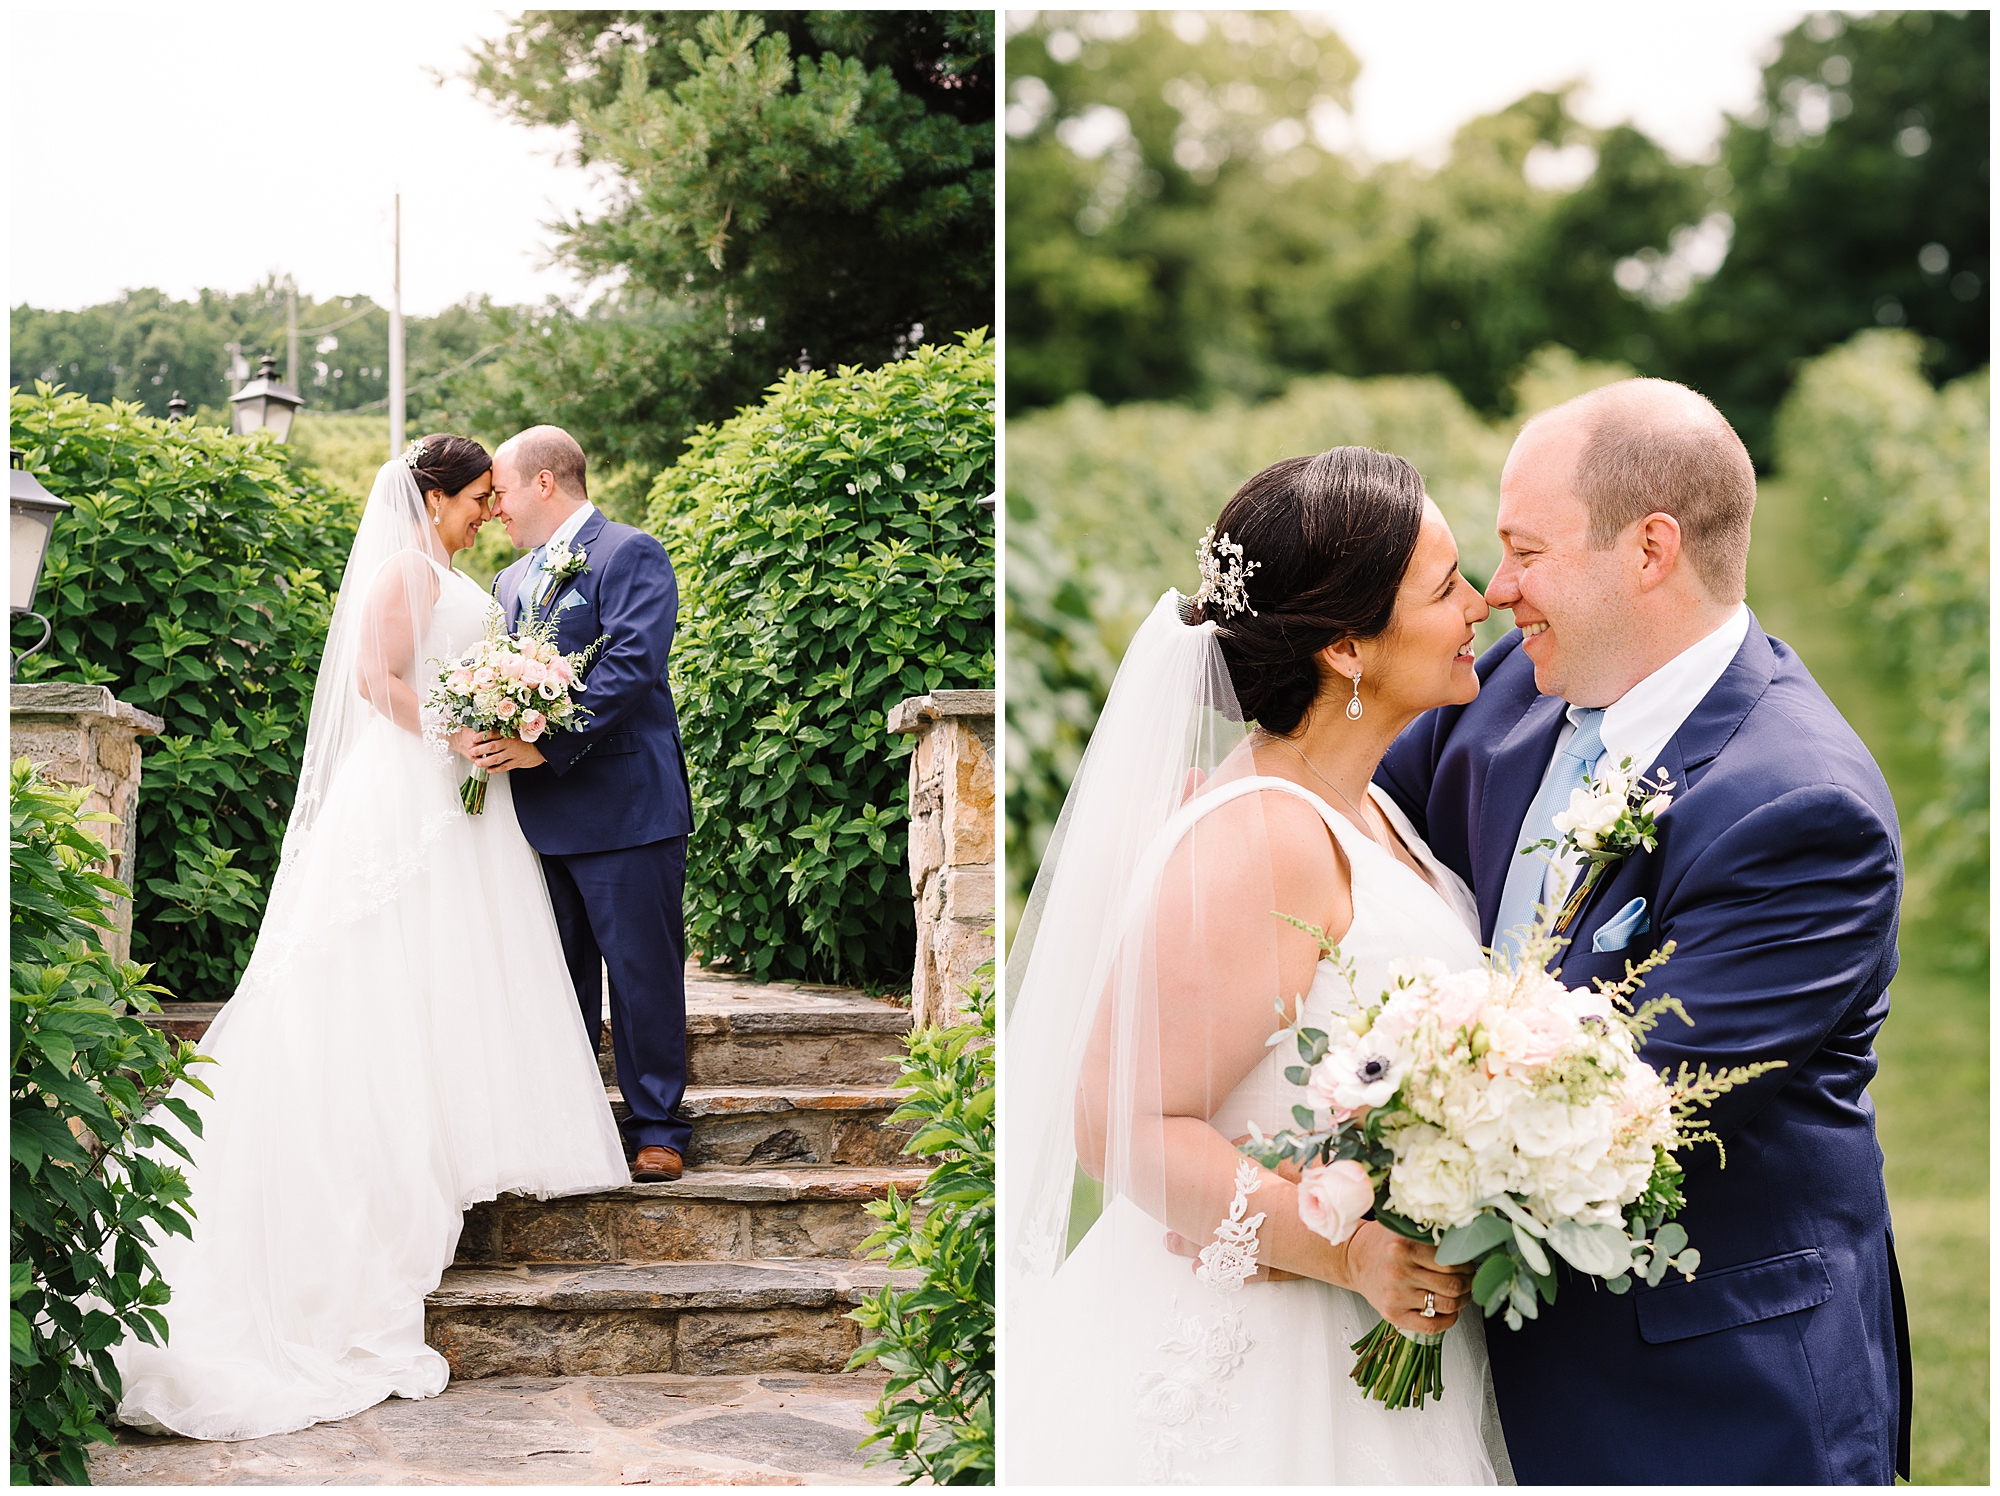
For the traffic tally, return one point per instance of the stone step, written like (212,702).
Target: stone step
(778,1126)
(691,1318)
(740,1033)
(743,1033)
(706,1214)
(787,1429)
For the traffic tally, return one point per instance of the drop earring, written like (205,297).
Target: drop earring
(1354,705)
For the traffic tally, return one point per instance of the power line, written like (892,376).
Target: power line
(428,379)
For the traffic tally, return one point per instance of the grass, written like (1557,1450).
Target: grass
(1931,1092)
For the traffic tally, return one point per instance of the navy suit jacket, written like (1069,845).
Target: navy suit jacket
(1777,875)
(621,779)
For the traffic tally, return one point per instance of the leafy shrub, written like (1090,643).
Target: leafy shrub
(936,1340)
(192,577)
(832,561)
(86,1068)
(1898,475)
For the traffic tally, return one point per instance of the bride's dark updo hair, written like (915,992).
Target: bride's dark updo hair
(449,462)
(1332,536)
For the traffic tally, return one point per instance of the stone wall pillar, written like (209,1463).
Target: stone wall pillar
(85,736)
(952,848)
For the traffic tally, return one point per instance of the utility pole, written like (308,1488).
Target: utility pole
(291,333)
(396,412)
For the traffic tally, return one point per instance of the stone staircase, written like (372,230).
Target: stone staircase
(736,1278)
(745,1263)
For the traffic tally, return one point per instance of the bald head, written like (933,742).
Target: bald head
(547,449)
(1649,446)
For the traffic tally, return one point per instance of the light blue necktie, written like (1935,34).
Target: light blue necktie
(531,583)
(1525,875)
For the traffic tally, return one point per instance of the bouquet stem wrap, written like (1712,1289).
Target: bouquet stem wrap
(1398,1369)
(472,793)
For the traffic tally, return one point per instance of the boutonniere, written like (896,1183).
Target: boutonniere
(560,563)
(1607,821)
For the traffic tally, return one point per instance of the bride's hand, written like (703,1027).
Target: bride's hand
(462,742)
(1394,1273)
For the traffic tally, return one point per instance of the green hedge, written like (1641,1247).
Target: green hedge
(85,1070)
(193,578)
(1897,474)
(832,561)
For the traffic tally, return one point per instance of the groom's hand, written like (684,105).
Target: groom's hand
(495,753)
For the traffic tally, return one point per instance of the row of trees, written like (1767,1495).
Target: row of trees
(146,346)
(1183,224)
(791,190)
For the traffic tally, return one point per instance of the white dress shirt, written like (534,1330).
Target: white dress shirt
(1639,724)
(566,531)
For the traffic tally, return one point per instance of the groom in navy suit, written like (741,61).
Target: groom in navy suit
(606,805)
(1625,523)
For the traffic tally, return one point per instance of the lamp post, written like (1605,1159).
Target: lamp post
(176,407)
(266,403)
(32,510)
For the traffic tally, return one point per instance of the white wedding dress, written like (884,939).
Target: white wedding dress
(404,1043)
(1249,1387)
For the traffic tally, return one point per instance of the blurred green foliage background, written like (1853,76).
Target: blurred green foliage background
(1197,288)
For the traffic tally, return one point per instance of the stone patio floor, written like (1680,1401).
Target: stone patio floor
(767,1430)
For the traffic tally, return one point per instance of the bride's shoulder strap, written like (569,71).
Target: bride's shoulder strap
(1236,789)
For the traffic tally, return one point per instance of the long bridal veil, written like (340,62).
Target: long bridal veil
(1148,920)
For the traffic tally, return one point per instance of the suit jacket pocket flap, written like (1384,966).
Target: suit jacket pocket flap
(1732,1296)
(618,742)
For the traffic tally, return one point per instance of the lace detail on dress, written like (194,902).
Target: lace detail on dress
(1229,1260)
(1178,1406)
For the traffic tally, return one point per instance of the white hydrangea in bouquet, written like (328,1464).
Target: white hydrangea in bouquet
(1505,1118)
(518,684)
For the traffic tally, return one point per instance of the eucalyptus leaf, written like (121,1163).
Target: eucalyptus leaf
(1530,1250)
(1464,1243)
(1599,1250)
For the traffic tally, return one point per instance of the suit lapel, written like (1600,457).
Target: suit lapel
(507,588)
(1513,776)
(1704,734)
(1714,721)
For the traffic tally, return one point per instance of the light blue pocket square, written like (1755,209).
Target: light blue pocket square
(1616,932)
(569,602)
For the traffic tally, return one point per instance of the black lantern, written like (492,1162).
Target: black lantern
(266,403)
(34,510)
(176,407)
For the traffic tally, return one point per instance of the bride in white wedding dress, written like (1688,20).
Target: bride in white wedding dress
(404,1041)
(1149,973)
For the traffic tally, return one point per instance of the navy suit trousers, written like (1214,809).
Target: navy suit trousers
(623,907)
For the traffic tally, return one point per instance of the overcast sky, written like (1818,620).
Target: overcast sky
(194,145)
(189,145)
(1674,70)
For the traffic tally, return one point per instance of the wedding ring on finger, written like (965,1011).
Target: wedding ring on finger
(1430,1306)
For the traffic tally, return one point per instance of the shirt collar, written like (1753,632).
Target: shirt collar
(1642,721)
(566,531)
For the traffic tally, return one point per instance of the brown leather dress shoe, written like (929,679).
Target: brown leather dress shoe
(654,1164)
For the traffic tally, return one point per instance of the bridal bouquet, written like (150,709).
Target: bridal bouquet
(1506,1118)
(517,684)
